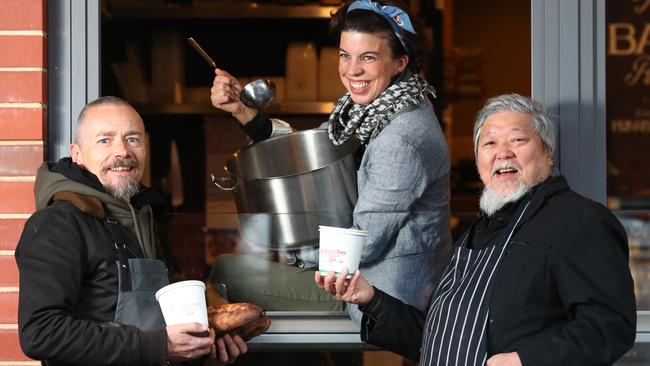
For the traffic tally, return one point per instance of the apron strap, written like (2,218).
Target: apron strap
(119,241)
(456,324)
(138,281)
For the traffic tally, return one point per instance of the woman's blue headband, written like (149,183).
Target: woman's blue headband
(396,17)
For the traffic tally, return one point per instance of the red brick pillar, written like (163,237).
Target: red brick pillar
(23,126)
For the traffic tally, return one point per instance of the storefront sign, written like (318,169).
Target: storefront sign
(628,98)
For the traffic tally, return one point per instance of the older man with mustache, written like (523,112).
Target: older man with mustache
(541,278)
(89,258)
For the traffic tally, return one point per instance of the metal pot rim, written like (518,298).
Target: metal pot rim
(275,138)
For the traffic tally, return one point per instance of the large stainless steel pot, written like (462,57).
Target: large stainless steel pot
(286,186)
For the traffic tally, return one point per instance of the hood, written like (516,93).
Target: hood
(67,176)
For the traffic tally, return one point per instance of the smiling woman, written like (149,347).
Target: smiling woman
(402,179)
(367,66)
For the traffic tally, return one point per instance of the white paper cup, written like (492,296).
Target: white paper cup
(340,248)
(183,302)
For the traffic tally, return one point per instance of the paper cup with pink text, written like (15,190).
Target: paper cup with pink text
(340,248)
(183,302)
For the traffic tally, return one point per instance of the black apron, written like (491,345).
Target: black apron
(455,329)
(138,281)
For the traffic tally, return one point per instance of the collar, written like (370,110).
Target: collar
(73,171)
(537,195)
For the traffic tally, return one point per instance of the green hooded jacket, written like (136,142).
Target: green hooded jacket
(50,182)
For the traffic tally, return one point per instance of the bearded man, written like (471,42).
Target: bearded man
(541,278)
(89,258)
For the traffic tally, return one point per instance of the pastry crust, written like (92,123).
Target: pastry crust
(243,319)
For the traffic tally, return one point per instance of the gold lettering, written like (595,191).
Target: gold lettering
(642,113)
(627,43)
(644,40)
(640,8)
(640,72)
(638,126)
(623,41)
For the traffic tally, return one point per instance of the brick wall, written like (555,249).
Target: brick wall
(23,122)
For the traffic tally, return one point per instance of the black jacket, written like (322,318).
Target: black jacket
(563,294)
(68,276)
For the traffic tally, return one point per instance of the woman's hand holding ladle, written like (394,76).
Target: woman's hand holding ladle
(225,96)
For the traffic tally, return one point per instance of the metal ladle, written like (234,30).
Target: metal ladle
(257,94)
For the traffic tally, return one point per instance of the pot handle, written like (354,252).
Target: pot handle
(229,185)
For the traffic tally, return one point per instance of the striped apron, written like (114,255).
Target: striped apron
(455,329)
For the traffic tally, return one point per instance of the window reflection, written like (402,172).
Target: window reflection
(628,104)
(637,227)
(628,131)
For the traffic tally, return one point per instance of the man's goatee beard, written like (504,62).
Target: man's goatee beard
(491,201)
(124,189)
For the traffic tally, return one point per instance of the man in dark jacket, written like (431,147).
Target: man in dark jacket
(76,306)
(541,278)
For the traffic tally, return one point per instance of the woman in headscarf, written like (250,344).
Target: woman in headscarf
(402,180)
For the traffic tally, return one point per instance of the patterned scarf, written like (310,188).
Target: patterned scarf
(366,121)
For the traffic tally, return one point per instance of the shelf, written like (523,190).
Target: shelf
(287,108)
(212,10)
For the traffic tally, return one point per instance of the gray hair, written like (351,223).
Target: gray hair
(542,124)
(107,100)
